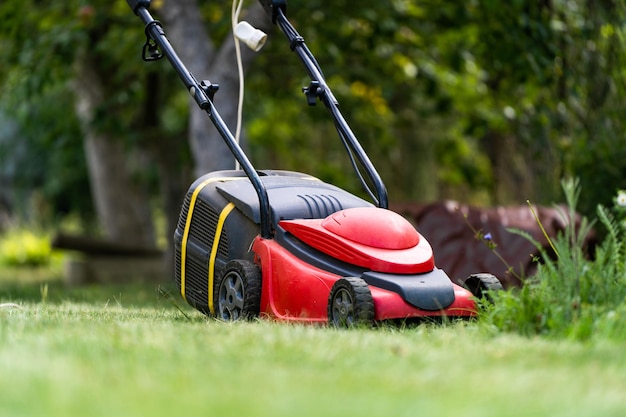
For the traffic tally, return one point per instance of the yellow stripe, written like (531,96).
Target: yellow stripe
(216,241)
(192,204)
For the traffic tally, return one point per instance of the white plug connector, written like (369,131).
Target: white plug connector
(252,37)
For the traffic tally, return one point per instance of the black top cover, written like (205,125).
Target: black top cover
(291,197)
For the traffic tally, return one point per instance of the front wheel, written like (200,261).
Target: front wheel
(480,285)
(350,303)
(238,291)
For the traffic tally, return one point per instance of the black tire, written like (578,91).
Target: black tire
(350,303)
(237,292)
(480,285)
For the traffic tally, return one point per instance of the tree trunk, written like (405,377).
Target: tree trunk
(167,152)
(121,206)
(188,35)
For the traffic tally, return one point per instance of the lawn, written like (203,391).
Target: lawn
(129,351)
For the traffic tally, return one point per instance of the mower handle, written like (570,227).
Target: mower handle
(318,89)
(136,4)
(203,95)
(273,6)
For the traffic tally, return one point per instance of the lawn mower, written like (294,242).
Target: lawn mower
(287,246)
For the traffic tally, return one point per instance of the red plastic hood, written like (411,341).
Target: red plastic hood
(370,237)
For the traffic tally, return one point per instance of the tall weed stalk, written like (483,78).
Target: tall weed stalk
(571,295)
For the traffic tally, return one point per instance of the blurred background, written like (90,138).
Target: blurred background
(484,102)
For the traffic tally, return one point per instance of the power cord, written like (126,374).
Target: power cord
(235,11)
(254,39)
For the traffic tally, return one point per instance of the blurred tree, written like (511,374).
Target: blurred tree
(72,60)
(215,56)
(489,101)
(40,151)
(127,112)
(103,93)
(592,98)
(93,51)
(478,101)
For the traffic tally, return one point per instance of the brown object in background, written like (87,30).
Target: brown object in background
(451,228)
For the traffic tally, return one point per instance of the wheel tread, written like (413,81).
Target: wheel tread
(252,282)
(362,302)
(480,285)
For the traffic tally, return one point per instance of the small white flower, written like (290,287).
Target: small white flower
(621,199)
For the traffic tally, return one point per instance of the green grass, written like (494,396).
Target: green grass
(553,348)
(126,350)
(572,295)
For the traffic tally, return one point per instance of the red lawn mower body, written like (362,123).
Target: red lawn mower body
(305,299)
(287,246)
(368,237)
(326,243)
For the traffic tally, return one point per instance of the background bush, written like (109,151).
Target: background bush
(23,247)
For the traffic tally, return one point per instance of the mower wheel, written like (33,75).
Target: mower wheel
(350,303)
(480,285)
(238,291)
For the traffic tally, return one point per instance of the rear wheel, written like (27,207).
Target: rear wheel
(480,285)
(350,303)
(238,291)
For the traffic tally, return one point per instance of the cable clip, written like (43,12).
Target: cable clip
(297,40)
(150,51)
(312,92)
(209,88)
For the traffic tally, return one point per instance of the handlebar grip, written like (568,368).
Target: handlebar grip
(136,4)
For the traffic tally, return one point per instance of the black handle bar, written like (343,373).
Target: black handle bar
(319,89)
(136,4)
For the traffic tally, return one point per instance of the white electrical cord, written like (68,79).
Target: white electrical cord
(254,39)
(236,10)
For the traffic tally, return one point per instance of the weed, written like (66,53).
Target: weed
(570,296)
(487,240)
(43,289)
(167,295)
(543,230)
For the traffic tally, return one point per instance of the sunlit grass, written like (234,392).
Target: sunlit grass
(102,360)
(127,350)
(138,350)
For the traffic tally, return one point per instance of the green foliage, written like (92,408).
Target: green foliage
(590,114)
(571,296)
(488,102)
(46,149)
(24,248)
(44,152)
(484,101)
